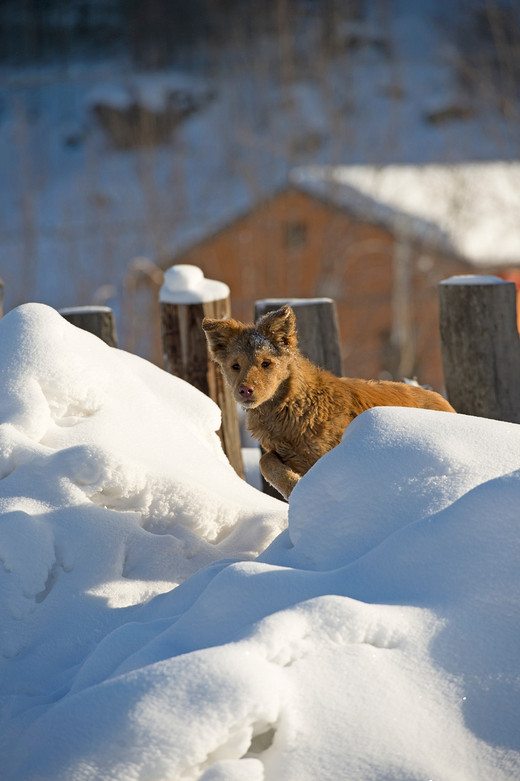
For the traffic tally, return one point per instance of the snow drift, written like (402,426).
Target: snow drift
(160,622)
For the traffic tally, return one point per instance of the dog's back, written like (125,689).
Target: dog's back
(384,393)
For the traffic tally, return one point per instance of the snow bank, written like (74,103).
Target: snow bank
(414,464)
(375,638)
(114,488)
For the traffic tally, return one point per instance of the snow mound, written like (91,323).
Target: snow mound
(395,466)
(375,638)
(113,481)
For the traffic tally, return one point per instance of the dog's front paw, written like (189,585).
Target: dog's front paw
(278,474)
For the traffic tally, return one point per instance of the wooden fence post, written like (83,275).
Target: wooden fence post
(185,299)
(317,324)
(480,346)
(98,320)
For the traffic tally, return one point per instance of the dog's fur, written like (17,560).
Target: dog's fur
(297,410)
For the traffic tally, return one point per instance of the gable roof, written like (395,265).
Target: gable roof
(470,209)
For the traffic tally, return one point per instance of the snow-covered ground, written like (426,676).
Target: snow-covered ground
(159,619)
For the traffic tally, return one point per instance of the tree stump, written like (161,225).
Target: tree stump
(480,346)
(98,320)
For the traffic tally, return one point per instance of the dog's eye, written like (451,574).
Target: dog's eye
(265,364)
(235,367)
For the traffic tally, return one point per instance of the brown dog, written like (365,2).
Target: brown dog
(297,410)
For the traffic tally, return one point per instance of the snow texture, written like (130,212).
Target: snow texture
(159,619)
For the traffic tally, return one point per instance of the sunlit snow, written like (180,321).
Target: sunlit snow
(159,620)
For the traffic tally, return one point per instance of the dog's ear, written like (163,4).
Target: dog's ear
(218,334)
(279,327)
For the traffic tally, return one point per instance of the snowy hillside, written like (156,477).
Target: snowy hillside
(76,210)
(144,637)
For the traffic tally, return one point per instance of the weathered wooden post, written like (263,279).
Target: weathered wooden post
(480,346)
(317,324)
(186,297)
(98,320)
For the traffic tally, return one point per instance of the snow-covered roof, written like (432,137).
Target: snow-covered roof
(472,209)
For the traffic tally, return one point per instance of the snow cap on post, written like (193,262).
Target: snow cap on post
(185,284)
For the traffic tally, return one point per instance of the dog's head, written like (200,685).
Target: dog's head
(255,359)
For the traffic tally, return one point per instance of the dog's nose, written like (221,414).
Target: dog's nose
(246,391)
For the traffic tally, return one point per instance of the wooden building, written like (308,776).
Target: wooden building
(299,245)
